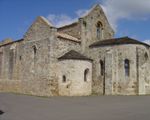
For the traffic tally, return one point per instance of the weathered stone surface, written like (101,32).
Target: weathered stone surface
(31,66)
(75,84)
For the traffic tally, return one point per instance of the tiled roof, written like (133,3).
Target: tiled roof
(68,37)
(74,55)
(117,41)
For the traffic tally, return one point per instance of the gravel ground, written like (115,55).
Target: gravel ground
(22,107)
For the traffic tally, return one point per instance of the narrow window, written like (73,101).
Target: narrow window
(86,73)
(99,30)
(127,67)
(34,49)
(84,23)
(20,57)
(102,68)
(146,56)
(64,79)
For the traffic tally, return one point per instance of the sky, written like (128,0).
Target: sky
(127,17)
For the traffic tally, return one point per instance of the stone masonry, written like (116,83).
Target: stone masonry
(78,59)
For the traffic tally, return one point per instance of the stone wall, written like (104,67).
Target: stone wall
(89,28)
(27,63)
(40,29)
(115,76)
(31,66)
(73,30)
(58,48)
(143,70)
(75,84)
(12,86)
(25,67)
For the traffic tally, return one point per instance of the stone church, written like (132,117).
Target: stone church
(79,59)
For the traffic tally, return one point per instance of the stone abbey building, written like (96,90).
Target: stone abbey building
(79,59)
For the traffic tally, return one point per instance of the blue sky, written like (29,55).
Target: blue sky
(128,18)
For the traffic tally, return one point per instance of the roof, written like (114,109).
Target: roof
(68,25)
(12,42)
(90,10)
(117,41)
(5,41)
(44,20)
(68,37)
(74,55)
(84,15)
(87,12)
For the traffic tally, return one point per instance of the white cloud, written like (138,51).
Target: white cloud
(147,41)
(126,9)
(63,19)
(81,12)
(114,9)
(60,20)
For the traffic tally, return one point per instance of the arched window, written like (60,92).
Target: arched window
(64,79)
(20,57)
(127,67)
(102,67)
(34,50)
(86,73)
(99,30)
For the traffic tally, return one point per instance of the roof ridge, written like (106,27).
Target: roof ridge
(117,41)
(45,20)
(67,25)
(72,54)
(67,36)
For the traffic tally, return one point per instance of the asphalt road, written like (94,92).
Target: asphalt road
(22,107)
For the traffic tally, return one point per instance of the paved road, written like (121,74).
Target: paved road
(21,107)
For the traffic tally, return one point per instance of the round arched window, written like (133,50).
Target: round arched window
(86,75)
(64,79)
(102,67)
(127,67)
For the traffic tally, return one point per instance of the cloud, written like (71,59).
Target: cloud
(63,19)
(81,12)
(126,9)
(60,20)
(115,10)
(147,41)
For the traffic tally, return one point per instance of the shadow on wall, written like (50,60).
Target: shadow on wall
(1,112)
